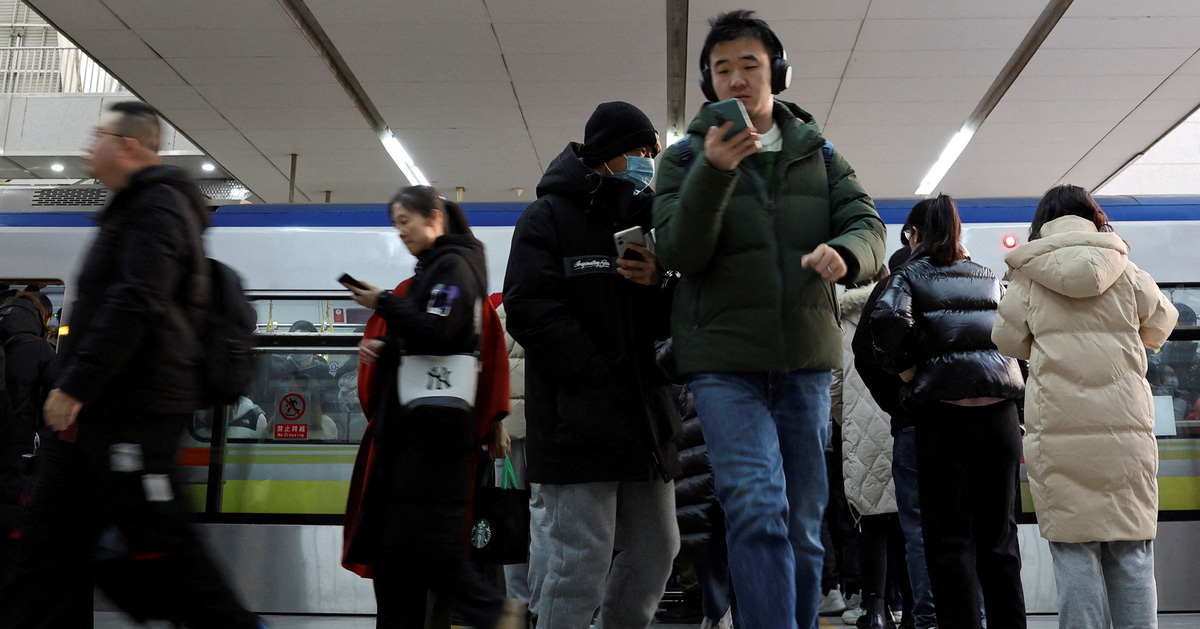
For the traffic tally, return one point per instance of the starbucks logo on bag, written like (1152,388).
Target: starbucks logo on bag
(481,533)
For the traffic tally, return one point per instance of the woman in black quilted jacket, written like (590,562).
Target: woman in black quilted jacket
(932,326)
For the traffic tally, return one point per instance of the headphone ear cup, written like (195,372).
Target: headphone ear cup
(706,85)
(781,74)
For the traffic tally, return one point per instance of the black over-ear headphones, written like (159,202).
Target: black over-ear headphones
(781,71)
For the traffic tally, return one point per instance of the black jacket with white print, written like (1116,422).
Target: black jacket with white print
(597,407)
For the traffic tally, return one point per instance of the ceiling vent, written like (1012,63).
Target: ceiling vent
(69,197)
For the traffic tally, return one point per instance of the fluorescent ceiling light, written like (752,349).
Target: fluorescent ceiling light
(402,159)
(943,164)
(208,168)
(58,168)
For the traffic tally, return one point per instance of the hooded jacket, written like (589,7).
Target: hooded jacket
(1083,315)
(938,318)
(597,408)
(132,342)
(744,303)
(866,428)
(29,374)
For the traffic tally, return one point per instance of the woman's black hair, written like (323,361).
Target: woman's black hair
(736,25)
(1067,200)
(941,229)
(425,199)
(916,218)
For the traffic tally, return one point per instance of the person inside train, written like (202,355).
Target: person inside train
(755,320)
(416,500)
(932,326)
(1082,314)
(304,390)
(106,506)
(28,371)
(600,422)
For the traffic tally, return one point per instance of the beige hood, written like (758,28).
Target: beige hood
(1072,258)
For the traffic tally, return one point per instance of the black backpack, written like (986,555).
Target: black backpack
(225,330)
(225,325)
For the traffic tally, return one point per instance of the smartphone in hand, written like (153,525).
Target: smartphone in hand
(350,281)
(732,109)
(622,239)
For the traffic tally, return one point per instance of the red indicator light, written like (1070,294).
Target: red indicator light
(1010,241)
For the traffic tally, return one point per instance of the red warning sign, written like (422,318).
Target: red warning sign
(291,431)
(292,407)
(339,315)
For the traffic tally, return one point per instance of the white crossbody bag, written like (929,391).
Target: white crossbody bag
(438,381)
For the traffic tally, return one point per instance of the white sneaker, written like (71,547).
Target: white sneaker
(854,601)
(832,603)
(726,622)
(852,615)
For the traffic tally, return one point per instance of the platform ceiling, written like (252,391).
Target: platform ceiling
(485,93)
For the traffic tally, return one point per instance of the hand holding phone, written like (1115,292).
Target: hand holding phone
(725,149)
(346,280)
(732,109)
(622,239)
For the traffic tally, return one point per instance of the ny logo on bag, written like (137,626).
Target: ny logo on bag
(439,378)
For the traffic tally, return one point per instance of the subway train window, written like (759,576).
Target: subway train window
(289,444)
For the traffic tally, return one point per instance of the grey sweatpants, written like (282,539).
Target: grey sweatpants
(586,523)
(1098,581)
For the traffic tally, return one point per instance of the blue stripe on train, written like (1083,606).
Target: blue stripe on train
(893,212)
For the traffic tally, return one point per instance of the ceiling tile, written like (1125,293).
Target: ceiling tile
(113,44)
(427,66)
(335,12)
(629,42)
(941,34)
(210,15)
(280,96)
(232,42)
(70,16)
(253,71)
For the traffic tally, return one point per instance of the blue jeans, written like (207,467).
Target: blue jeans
(766,434)
(904,471)
(713,574)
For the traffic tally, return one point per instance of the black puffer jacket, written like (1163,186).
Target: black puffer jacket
(597,407)
(696,507)
(29,375)
(939,319)
(132,344)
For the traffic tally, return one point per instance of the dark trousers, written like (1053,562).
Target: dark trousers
(882,562)
(968,460)
(422,487)
(112,517)
(838,535)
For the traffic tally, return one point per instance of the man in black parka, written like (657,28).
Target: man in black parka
(107,507)
(601,422)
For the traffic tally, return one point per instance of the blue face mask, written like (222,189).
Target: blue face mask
(639,170)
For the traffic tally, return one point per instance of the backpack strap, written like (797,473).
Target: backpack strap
(683,149)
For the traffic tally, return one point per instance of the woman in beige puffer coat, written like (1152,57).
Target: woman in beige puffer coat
(1083,315)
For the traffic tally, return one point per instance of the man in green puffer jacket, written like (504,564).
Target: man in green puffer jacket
(761,225)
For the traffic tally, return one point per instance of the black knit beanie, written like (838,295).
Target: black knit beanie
(613,129)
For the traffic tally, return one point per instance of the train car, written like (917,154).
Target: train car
(268,478)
